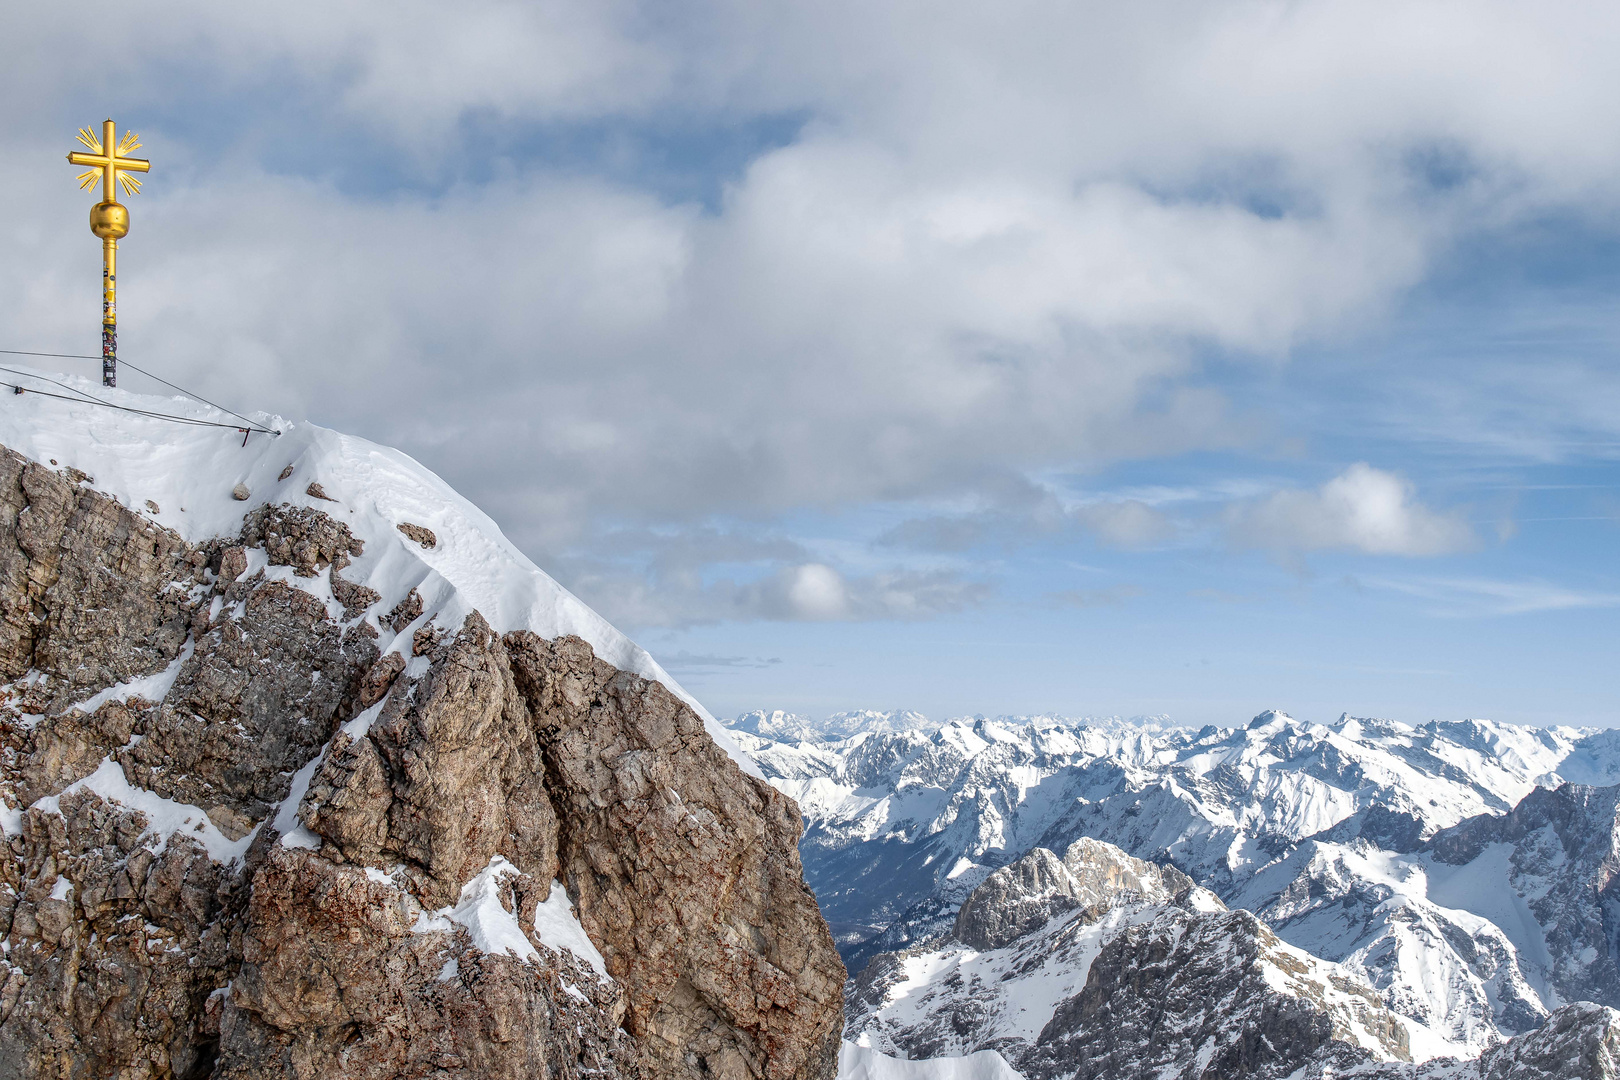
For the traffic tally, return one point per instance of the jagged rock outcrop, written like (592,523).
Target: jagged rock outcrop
(1578,1042)
(1023,895)
(1189,995)
(259,826)
(1015,900)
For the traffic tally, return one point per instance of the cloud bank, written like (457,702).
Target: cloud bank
(935,248)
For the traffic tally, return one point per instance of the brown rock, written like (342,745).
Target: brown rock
(300,537)
(419,533)
(354,598)
(379,678)
(375,1000)
(426,639)
(683,871)
(406,611)
(232,565)
(687,873)
(85,585)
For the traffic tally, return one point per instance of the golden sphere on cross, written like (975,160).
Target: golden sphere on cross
(109,163)
(109,220)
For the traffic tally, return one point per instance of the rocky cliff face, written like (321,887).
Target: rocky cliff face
(1091,875)
(268,816)
(1578,1042)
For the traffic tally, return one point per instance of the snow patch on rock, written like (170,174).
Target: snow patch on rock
(164,817)
(152,687)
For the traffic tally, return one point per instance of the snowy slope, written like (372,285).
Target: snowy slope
(859,1063)
(1429,939)
(188,473)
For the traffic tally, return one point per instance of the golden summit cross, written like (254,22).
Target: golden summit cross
(110,221)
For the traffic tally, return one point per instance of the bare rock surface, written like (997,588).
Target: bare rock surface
(1015,900)
(1092,874)
(1188,995)
(420,533)
(257,826)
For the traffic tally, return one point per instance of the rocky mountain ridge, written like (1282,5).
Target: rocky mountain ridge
(1322,830)
(1094,969)
(323,796)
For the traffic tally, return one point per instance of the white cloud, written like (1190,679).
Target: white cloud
(816,591)
(1483,596)
(999,242)
(1362,509)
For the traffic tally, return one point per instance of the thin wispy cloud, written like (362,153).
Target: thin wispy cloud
(1464,597)
(1089,598)
(682,661)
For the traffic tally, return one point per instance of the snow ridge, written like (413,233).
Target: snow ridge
(188,474)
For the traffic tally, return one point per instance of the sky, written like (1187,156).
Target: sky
(1168,358)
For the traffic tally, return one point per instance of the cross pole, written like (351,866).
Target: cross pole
(110,221)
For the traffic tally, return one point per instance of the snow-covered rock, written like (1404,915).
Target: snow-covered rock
(1380,914)
(779,726)
(1135,984)
(1578,1042)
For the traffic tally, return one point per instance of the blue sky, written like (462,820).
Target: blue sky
(1175,358)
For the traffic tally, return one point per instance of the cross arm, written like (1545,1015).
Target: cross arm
(99,161)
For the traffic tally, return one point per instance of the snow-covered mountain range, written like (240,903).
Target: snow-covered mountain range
(1100,966)
(779,726)
(1461,871)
